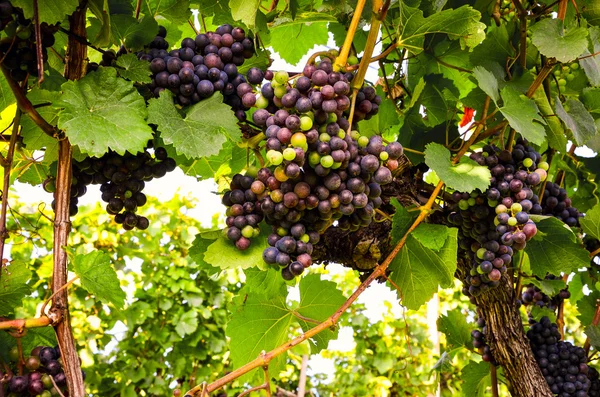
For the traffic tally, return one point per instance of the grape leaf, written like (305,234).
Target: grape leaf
(177,11)
(223,254)
(99,278)
(476,379)
(132,33)
(523,115)
(590,223)
(101,10)
(593,334)
(495,49)
(591,99)
(549,36)
(134,69)
(33,137)
(577,119)
(102,111)
(553,243)
(549,287)
(459,24)
(202,132)
(187,323)
(293,40)
(401,221)
(490,80)
(458,332)
(439,98)
(319,299)
(13,286)
(32,172)
(419,271)
(430,235)
(244,10)
(258,325)
(590,9)
(267,283)
(50,11)
(197,250)
(466,176)
(6,96)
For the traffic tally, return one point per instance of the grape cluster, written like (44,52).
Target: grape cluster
(43,363)
(563,365)
(201,66)
(18,52)
(122,179)
(480,343)
(594,378)
(495,223)
(318,176)
(555,202)
(564,74)
(534,296)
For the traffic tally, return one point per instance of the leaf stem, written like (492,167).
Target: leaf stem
(43,309)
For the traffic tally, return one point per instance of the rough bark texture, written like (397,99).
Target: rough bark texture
(75,69)
(505,333)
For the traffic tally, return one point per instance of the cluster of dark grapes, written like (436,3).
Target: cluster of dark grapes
(201,66)
(480,343)
(594,378)
(318,176)
(43,363)
(563,365)
(495,223)
(18,52)
(534,296)
(555,202)
(122,179)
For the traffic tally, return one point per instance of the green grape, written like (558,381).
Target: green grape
(557,73)
(327,161)
(336,165)
(544,165)
(355,135)
(512,221)
(383,156)
(463,204)
(306,123)
(574,66)
(279,91)
(299,140)
(248,231)
(261,102)
(332,118)
(352,60)
(314,158)
(341,134)
(282,231)
(305,238)
(562,82)
(471,201)
(481,252)
(527,162)
(363,141)
(255,232)
(516,207)
(289,154)
(274,157)
(324,137)
(252,171)
(281,77)
(570,77)
(501,209)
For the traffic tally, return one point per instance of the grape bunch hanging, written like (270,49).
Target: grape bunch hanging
(494,224)
(318,175)
(18,51)
(39,374)
(534,296)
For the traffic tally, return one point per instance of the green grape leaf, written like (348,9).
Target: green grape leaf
(553,243)
(593,334)
(259,60)
(6,96)
(13,286)
(577,119)
(50,11)
(267,283)
(187,323)
(134,69)
(177,11)
(439,98)
(523,115)
(444,364)
(537,313)
(319,299)
(590,9)
(419,271)
(476,379)
(32,172)
(586,307)
(202,132)
(549,36)
(33,136)
(466,176)
(134,34)
(198,249)
(430,235)
(102,111)
(99,278)
(590,62)
(459,24)
(591,99)
(590,223)
(384,362)
(401,221)
(258,325)
(495,49)
(244,10)
(549,287)
(223,254)
(458,332)
(292,40)
(101,10)
(490,80)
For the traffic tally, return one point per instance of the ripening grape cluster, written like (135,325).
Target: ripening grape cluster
(201,66)
(318,175)
(555,202)
(594,377)
(18,52)
(480,343)
(122,179)
(564,74)
(43,362)
(495,223)
(534,296)
(563,365)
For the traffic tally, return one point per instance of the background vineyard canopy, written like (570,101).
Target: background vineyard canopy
(192,307)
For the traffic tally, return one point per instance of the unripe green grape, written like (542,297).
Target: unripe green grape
(324,137)
(463,204)
(562,82)
(274,157)
(281,77)
(543,165)
(336,165)
(261,102)
(553,84)
(252,171)
(323,129)
(289,154)
(512,221)
(255,232)
(492,203)
(557,73)
(341,134)
(481,252)
(298,140)
(355,135)
(332,118)
(327,161)
(306,123)
(511,14)
(516,207)
(281,231)
(314,158)
(363,141)
(565,68)
(305,238)
(501,209)
(527,162)
(496,221)
(574,66)
(383,156)
(471,201)
(279,91)
(13,354)
(310,115)
(352,60)
(248,231)
(570,77)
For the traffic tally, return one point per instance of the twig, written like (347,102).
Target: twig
(38,42)
(496,13)
(594,253)
(302,381)
(413,151)
(523,32)
(138,8)
(80,39)
(23,323)
(494,380)
(562,9)
(273,5)
(589,56)
(43,309)
(342,58)
(56,386)
(191,23)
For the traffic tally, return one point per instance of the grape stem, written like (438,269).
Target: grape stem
(523,32)
(20,324)
(56,386)
(494,380)
(43,309)
(342,59)
(38,42)
(496,14)
(138,8)
(266,385)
